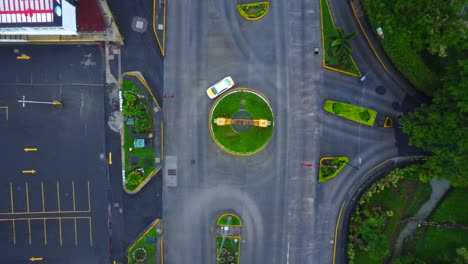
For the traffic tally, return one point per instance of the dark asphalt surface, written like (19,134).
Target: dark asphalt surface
(71,153)
(133,213)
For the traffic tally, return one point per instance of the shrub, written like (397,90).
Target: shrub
(133,179)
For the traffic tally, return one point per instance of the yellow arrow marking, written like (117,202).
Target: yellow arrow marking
(35,259)
(23,57)
(30,149)
(29,171)
(110,158)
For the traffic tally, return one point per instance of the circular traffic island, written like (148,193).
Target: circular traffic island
(241,122)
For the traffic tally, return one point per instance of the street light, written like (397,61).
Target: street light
(365,75)
(225,230)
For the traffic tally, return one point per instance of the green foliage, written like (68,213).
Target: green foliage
(253,11)
(242,142)
(413,28)
(339,46)
(149,247)
(336,43)
(408,259)
(231,247)
(136,107)
(352,112)
(462,256)
(330,167)
(441,128)
(133,179)
(235,221)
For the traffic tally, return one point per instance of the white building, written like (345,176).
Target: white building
(37,17)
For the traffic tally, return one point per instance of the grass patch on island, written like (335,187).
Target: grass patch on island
(328,30)
(352,112)
(223,220)
(253,11)
(230,252)
(147,242)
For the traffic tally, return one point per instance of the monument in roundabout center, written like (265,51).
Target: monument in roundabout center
(241,121)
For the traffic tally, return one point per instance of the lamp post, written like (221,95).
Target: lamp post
(365,75)
(225,230)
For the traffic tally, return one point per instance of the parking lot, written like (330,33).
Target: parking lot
(53,166)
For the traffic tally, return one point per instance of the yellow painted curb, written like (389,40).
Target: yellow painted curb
(162,140)
(210,125)
(257,18)
(367,38)
(336,232)
(227,214)
(378,165)
(134,74)
(163,46)
(152,225)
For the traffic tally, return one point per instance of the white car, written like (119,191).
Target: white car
(220,87)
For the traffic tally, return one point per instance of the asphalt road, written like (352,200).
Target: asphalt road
(289,217)
(60,212)
(207,41)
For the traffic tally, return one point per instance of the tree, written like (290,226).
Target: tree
(441,128)
(340,46)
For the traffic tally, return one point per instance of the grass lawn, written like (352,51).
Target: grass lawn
(329,29)
(242,142)
(235,221)
(352,112)
(404,201)
(327,170)
(149,247)
(232,250)
(253,11)
(443,241)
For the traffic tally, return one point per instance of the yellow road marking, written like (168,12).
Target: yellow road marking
(48,212)
(28,171)
(14,233)
(45,232)
(11,197)
(6,110)
(46,218)
(29,231)
(30,149)
(23,57)
(35,259)
(43,204)
(27,197)
(336,232)
(73,192)
(60,219)
(89,199)
(76,237)
(90,232)
(110,158)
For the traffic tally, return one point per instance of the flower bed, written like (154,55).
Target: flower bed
(253,11)
(138,109)
(330,167)
(352,112)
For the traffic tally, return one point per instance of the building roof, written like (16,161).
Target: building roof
(30,13)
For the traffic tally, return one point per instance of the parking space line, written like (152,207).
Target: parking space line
(11,197)
(89,199)
(73,194)
(60,219)
(27,197)
(90,233)
(14,232)
(45,232)
(46,218)
(43,204)
(6,111)
(29,231)
(76,236)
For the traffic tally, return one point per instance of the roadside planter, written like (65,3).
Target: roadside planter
(253,11)
(147,247)
(352,112)
(330,167)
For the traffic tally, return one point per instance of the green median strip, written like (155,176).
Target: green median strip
(330,167)
(143,250)
(253,11)
(352,112)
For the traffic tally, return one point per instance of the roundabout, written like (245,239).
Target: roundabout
(241,122)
